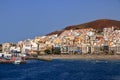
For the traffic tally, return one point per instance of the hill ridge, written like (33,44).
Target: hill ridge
(96,24)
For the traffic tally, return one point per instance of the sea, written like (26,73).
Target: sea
(62,70)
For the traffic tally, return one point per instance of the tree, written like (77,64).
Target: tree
(57,50)
(47,51)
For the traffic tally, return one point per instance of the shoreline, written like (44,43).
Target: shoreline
(79,57)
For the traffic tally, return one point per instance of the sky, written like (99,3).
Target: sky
(24,19)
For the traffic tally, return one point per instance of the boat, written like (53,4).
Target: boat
(13,60)
(17,62)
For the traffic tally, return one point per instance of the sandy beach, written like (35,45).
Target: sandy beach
(82,57)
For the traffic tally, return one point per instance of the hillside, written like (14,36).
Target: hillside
(97,24)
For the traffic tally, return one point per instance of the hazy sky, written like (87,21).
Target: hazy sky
(23,19)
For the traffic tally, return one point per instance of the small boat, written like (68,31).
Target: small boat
(17,62)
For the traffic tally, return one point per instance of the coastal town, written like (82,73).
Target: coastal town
(80,41)
(59,39)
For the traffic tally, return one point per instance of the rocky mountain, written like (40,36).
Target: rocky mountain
(97,24)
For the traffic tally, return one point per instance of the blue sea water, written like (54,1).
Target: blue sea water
(62,70)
